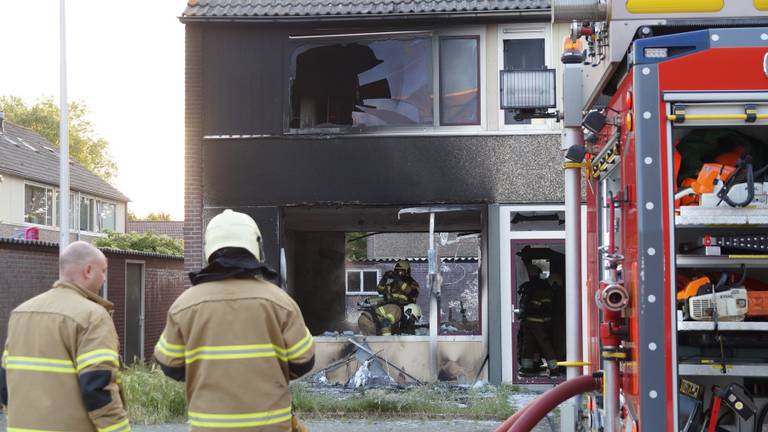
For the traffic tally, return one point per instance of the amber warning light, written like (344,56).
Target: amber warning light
(573,52)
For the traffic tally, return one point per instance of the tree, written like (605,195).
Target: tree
(142,242)
(153,217)
(43,118)
(158,217)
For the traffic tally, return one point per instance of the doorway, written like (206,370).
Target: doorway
(538,304)
(134,312)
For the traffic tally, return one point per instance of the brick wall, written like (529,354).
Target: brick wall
(193,147)
(30,269)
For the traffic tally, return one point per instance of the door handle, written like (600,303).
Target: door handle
(515,313)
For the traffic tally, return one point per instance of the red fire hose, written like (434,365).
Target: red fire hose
(528,417)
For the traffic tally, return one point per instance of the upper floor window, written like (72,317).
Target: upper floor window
(523,46)
(105,216)
(459,80)
(361,83)
(38,204)
(380,82)
(42,207)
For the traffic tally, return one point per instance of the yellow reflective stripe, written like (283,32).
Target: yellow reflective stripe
(386,315)
(169,349)
(239,420)
(123,426)
(173,347)
(97,356)
(298,349)
(5,355)
(231,352)
(40,364)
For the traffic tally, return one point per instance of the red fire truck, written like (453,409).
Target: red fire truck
(666,120)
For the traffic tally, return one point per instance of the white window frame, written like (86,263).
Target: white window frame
(76,220)
(53,210)
(525,31)
(361,292)
(436,128)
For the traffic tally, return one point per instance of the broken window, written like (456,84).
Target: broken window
(460,80)
(381,82)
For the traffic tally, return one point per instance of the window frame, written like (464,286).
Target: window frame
(362,281)
(76,220)
(45,187)
(525,31)
(436,128)
(439,98)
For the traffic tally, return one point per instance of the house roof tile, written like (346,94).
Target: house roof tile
(26,154)
(351,8)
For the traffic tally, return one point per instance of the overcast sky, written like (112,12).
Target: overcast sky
(126,62)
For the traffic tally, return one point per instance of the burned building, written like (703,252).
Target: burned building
(324,120)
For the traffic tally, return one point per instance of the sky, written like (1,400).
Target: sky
(125,60)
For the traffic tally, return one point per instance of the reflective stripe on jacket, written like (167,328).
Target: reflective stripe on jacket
(237,340)
(62,364)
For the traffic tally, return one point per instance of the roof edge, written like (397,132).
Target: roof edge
(526,13)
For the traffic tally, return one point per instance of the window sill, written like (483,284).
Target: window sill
(397,133)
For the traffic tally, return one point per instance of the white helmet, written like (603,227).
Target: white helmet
(414,310)
(232,229)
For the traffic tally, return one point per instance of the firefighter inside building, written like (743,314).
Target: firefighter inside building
(536,307)
(395,311)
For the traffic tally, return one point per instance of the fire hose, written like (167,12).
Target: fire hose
(529,416)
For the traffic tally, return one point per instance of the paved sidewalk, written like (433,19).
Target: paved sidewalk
(362,426)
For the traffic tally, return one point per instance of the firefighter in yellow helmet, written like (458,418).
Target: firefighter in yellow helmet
(397,289)
(236,338)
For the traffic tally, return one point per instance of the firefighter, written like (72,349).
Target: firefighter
(236,338)
(61,368)
(536,326)
(397,289)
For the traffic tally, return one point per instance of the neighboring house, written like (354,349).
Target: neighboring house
(29,180)
(173,229)
(324,117)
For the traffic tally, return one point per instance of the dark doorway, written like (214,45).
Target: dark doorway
(134,312)
(548,328)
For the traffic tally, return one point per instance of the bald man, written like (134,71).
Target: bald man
(61,368)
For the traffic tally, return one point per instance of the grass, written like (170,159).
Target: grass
(152,398)
(433,401)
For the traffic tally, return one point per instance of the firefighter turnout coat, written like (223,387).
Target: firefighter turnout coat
(237,342)
(61,364)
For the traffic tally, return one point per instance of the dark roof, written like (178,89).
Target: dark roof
(287,9)
(173,229)
(113,251)
(26,154)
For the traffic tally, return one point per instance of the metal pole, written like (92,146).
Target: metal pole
(434,306)
(63,135)
(572,136)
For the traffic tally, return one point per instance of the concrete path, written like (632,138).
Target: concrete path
(362,426)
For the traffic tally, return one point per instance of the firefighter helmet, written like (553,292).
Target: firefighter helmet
(404,266)
(233,229)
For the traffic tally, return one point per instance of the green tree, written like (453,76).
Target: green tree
(142,242)
(158,217)
(43,118)
(357,246)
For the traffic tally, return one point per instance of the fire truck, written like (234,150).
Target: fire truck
(665,108)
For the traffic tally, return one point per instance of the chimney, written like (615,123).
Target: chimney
(2,122)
